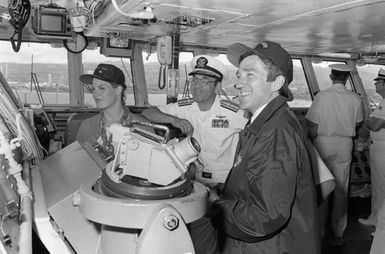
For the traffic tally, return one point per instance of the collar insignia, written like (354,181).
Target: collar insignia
(238,160)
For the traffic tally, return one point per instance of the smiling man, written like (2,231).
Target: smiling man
(268,204)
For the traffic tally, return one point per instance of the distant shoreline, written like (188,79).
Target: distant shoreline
(62,98)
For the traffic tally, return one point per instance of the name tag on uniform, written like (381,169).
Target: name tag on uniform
(220,123)
(207,175)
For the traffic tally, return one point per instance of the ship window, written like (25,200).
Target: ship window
(322,72)
(299,87)
(49,70)
(368,73)
(156,96)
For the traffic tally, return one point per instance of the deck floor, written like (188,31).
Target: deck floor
(357,238)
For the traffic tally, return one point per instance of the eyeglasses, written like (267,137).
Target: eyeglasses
(202,82)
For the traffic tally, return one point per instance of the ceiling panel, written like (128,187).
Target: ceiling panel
(301,26)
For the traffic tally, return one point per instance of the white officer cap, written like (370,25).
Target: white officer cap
(381,74)
(209,66)
(340,67)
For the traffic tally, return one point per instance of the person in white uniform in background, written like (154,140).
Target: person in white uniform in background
(376,124)
(332,120)
(215,128)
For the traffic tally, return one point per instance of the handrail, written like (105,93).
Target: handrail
(25,237)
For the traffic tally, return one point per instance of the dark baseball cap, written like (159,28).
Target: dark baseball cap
(106,72)
(268,49)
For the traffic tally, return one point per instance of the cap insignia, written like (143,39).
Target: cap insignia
(264,45)
(201,62)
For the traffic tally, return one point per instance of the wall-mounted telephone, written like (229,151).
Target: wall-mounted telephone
(164,50)
(164,53)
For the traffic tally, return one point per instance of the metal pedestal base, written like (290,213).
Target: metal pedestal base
(143,226)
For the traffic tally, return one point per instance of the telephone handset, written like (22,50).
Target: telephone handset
(164,53)
(164,50)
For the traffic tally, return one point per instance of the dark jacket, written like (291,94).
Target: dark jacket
(269,204)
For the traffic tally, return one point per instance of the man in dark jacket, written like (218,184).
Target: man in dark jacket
(268,204)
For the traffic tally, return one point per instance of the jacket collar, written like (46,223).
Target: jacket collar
(266,114)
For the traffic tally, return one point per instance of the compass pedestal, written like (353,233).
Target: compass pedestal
(143,226)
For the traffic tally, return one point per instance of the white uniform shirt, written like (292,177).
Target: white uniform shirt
(217,131)
(379,112)
(336,110)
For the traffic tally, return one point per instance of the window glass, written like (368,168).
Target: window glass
(91,58)
(367,73)
(299,87)
(322,72)
(184,69)
(156,96)
(228,85)
(36,67)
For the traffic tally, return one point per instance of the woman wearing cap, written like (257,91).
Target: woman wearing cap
(107,85)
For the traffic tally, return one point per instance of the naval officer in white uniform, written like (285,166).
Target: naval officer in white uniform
(332,121)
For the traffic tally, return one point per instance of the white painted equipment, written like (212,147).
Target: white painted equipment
(145,226)
(92,208)
(143,154)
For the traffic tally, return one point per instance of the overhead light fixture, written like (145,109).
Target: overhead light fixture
(335,55)
(146,14)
